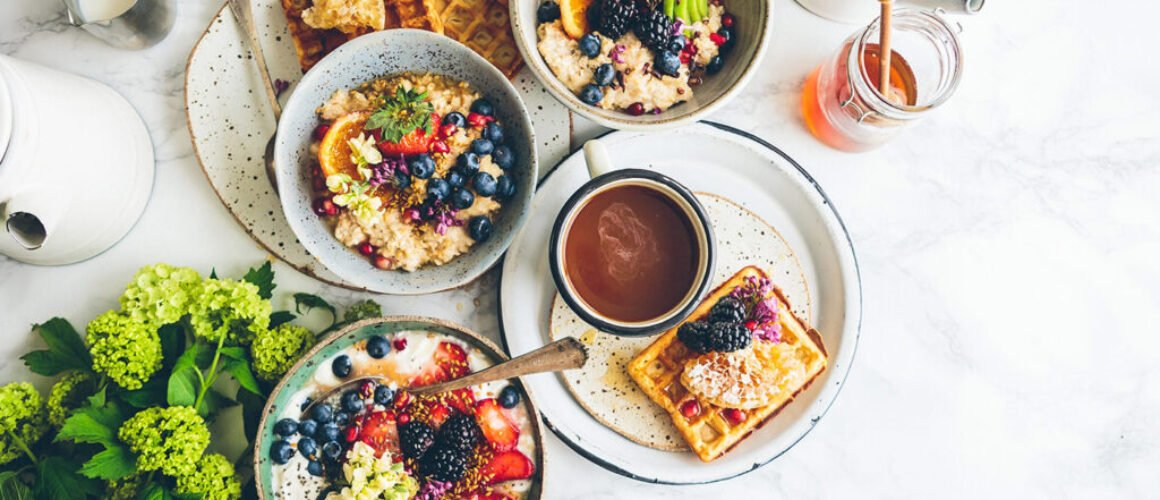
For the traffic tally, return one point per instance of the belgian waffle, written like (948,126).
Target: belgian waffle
(792,364)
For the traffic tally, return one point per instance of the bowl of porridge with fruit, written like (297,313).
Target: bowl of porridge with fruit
(642,64)
(405,162)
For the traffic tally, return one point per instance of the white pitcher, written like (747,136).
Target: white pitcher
(76,165)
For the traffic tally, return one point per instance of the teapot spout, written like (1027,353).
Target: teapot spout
(30,217)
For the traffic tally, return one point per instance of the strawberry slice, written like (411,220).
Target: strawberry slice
(508,466)
(500,431)
(415,142)
(380,432)
(450,361)
(462,400)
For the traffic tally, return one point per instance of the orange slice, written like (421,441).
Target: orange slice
(334,150)
(574,16)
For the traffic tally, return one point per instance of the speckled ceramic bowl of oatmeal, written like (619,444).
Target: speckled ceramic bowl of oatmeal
(421,253)
(668,102)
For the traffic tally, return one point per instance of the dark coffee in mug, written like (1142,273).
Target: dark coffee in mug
(631,253)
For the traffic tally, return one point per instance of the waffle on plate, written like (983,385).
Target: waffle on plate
(482,25)
(717,399)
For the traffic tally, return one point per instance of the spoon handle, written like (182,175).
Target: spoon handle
(563,354)
(245,18)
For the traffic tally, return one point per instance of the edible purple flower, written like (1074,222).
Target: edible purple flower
(616,54)
(443,216)
(678,26)
(384,173)
(433,490)
(762,305)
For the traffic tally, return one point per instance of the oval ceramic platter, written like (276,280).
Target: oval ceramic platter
(812,260)
(230,122)
(312,376)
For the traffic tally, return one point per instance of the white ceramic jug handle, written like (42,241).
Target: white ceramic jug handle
(596,156)
(31,216)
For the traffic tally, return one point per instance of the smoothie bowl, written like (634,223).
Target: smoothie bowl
(405,162)
(341,424)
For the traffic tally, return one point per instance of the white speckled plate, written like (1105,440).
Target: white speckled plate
(603,386)
(715,159)
(230,123)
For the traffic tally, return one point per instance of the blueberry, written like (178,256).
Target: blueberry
(480,228)
(286,427)
(590,45)
(314,468)
(603,75)
(341,366)
(509,397)
(456,178)
(484,184)
(667,63)
(455,118)
(307,427)
(352,401)
(305,402)
(677,44)
(421,166)
(308,448)
(332,450)
(548,11)
(322,414)
(503,157)
(281,452)
(493,132)
(462,198)
(483,107)
(591,94)
(726,33)
(377,346)
(341,418)
(469,162)
(505,187)
(329,432)
(714,65)
(438,189)
(384,395)
(482,146)
(403,181)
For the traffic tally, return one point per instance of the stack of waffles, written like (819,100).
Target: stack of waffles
(717,399)
(320,26)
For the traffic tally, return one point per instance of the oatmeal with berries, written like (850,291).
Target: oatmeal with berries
(373,439)
(625,55)
(412,169)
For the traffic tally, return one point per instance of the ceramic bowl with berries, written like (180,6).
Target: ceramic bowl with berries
(342,424)
(642,64)
(405,162)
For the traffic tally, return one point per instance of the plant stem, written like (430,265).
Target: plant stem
(207,382)
(22,445)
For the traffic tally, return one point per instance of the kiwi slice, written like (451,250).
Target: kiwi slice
(670,8)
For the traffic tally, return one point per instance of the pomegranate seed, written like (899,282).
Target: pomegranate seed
(685,58)
(367,389)
(751,325)
(636,109)
(402,399)
(476,120)
(352,433)
(317,172)
(325,207)
(366,249)
(404,418)
(390,415)
(440,147)
(448,130)
(734,415)
(717,39)
(319,183)
(399,343)
(691,408)
(382,263)
(727,20)
(320,131)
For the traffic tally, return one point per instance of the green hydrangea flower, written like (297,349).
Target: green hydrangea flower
(125,350)
(22,420)
(160,294)
(171,439)
(214,479)
(128,488)
(362,310)
(69,394)
(275,351)
(230,308)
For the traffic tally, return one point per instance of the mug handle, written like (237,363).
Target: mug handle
(596,156)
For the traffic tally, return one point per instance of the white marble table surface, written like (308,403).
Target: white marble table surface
(1008,248)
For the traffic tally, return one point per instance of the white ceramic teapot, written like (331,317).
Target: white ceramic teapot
(76,165)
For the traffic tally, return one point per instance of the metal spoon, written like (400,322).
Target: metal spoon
(242,13)
(563,354)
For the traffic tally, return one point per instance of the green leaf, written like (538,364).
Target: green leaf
(12,487)
(237,364)
(263,278)
(93,424)
(66,350)
(153,393)
(362,309)
(186,378)
(59,478)
(309,301)
(115,462)
(155,491)
(213,273)
(281,317)
(212,403)
(252,407)
(172,342)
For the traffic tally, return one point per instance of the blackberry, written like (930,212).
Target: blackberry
(655,30)
(444,463)
(694,335)
(729,309)
(415,438)
(616,17)
(460,432)
(728,337)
